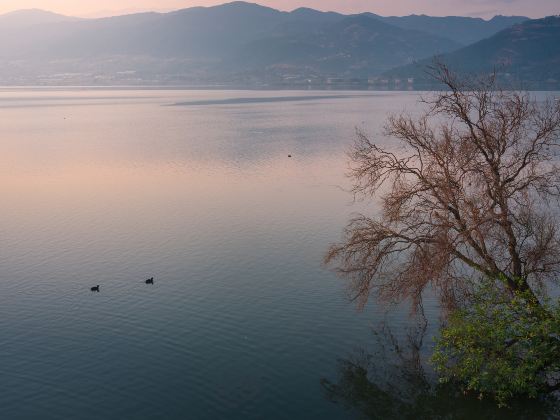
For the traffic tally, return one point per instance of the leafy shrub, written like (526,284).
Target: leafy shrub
(501,346)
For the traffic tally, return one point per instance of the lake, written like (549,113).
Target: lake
(195,188)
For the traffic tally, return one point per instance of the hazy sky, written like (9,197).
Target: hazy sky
(484,8)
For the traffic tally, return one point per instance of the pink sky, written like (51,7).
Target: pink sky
(484,8)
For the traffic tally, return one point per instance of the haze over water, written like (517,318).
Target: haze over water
(112,187)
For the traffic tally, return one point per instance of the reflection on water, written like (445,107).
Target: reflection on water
(264,100)
(112,187)
(393,381)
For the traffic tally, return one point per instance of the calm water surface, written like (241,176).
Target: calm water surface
(196,189)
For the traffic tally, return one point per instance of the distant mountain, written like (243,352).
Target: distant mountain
(31,17)
(464,30)
(525,53)
(355,46)
(233,43)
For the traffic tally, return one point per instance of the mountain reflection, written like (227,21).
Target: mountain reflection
(394,382)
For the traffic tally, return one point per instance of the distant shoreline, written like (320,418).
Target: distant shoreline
(529,86)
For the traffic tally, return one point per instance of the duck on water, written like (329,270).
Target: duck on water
(96,288)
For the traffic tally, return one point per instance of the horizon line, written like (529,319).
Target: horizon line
(103,14)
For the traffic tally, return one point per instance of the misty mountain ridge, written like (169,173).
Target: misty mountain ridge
(464,30)
(31,17)
(232,43)
(524,54)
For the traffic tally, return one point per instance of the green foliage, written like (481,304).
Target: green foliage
(501,346)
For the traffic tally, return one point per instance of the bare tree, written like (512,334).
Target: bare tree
(468,192)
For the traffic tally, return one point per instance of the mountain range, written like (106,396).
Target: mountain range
(235,43)
(524,54)
(28,18)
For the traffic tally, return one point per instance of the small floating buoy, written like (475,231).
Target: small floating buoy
(95,288)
